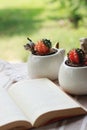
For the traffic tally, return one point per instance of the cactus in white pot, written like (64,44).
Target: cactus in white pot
(44,60)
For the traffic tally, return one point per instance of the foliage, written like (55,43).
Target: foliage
(20,19)
(74,9)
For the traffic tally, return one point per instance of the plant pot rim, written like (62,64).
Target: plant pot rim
(48,55)
(74,67)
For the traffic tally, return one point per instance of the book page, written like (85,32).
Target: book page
(36,97)
(9,112)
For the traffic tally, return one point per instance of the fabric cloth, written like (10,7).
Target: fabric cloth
(11,73)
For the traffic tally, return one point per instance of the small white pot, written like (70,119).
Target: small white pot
(45,66)
(73,79)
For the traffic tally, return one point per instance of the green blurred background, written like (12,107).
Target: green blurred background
(58,20)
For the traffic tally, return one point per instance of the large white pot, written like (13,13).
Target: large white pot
(73,79)
(45,66)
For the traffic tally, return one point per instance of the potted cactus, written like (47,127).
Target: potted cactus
(73,72)
(44,60)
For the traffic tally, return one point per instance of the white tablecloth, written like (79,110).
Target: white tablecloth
(11,73)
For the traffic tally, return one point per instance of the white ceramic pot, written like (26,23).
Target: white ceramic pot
(73,79)
(45,66)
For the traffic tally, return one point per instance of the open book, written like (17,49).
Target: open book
(33,103)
